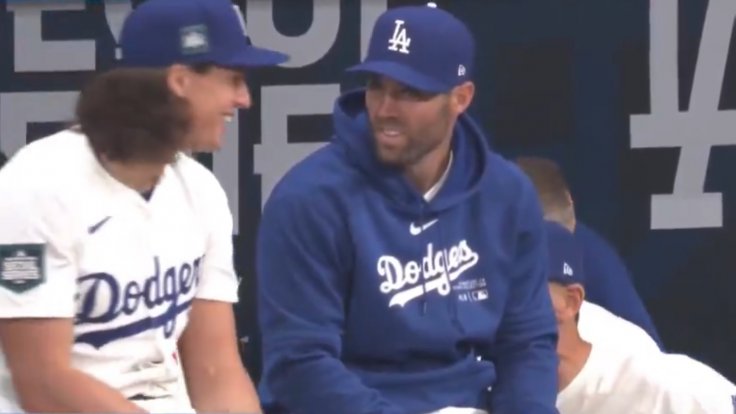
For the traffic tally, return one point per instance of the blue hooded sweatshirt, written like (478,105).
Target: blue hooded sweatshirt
(608,282)
(372,300)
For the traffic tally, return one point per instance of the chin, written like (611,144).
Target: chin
(208,146)
(390,159)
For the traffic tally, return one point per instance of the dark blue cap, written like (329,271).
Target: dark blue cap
(159,33)
(423,47)
(564,255)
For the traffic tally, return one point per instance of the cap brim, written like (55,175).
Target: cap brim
(255,56)
(403,74)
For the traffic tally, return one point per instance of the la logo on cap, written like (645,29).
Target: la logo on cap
(400,41)
(194,39)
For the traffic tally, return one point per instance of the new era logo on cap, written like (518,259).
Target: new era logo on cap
(194,39)
(564,257)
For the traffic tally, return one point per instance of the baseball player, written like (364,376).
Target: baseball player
(116,267)
(604,377)
(401,268)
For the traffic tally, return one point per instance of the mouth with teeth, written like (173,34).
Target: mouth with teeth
(390,136)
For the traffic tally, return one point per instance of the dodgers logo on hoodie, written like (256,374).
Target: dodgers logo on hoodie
(436,271)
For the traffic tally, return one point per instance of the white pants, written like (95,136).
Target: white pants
(459,410)
(166,405)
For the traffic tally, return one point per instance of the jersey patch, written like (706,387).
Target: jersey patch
(21,266)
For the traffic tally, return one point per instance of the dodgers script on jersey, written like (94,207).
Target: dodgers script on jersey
(76,243)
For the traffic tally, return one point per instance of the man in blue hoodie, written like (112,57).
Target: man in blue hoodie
(401,268)
(609,283)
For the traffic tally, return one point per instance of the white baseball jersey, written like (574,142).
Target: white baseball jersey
(77,243)
(616,381)
(599,326)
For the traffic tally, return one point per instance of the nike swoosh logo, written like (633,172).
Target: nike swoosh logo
(93,228)
(417,230)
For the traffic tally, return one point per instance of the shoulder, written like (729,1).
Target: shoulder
(511,193)
(598,254)
(323,177)
(49,161)
(48,170)
(593,240)
(689,373)
(682,384)
(42,190)
(598,325)
(201,184)
(505,179)
(195,174)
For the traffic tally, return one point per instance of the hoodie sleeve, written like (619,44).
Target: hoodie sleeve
(525,353)
(303,267)
(609,283)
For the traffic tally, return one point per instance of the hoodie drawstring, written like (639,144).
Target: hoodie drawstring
(423,304)
(451,301)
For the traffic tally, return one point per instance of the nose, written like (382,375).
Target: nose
(386,105)
(242,97)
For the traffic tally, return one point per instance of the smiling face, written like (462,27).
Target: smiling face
(214,94)
(407,124)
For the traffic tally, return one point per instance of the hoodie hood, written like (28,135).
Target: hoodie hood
(470,159)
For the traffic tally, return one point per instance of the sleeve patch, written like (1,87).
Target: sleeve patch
(22,266)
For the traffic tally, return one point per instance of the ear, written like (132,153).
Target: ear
(178,78)
(575,296)
(461,97)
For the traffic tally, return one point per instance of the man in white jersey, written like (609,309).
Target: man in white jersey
(607,378)
(116,267)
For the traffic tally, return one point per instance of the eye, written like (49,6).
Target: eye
(414,94)
(237,80)
(373,82)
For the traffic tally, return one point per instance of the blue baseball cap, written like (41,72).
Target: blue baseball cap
(564,255)
(160,33)
(423,47)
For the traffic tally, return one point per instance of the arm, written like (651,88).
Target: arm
(216,379)
(38,355)
(36,315)
(304,262)
(609,282)
(215,376)
(525,353)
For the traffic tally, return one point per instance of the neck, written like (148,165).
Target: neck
(573,352)
(140,176)
(428,171)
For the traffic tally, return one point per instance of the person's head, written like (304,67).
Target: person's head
(552,189)
(183,62)
(419,63)
(565,275)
